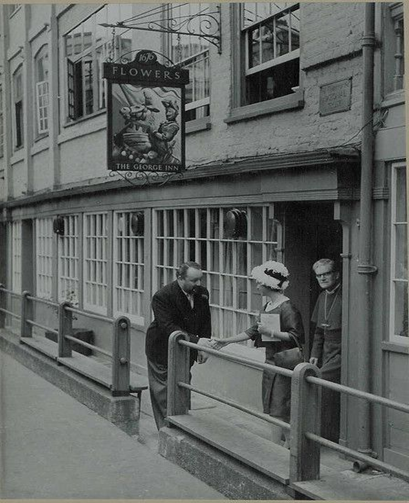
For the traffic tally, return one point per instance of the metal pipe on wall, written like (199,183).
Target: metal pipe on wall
(365,268)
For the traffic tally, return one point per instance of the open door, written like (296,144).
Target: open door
(311,233)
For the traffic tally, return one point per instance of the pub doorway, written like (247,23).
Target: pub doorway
(310,233)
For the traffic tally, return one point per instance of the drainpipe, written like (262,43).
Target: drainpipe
(365,269)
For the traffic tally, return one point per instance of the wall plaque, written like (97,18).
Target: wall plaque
(335,97)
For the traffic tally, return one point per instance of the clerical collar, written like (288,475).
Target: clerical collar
(330,292)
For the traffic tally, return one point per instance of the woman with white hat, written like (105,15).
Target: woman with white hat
(272,279)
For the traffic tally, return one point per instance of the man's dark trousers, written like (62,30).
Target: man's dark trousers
(172,312)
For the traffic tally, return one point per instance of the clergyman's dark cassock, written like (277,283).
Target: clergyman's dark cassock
(172,311)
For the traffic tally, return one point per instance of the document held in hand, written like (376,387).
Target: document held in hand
(271,321)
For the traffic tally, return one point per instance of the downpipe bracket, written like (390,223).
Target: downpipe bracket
(367,269)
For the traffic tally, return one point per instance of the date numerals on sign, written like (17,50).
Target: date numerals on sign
(146,58)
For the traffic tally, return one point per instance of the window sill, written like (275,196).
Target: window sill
(394,347)
(41,144)
(87,125)
(36,32)
(14,52)
(17,156)
(198,125)
(394,99)
(282,104)
(84,119)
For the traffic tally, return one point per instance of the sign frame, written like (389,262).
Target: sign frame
(143,146)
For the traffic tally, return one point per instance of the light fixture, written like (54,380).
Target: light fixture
(59,226)
(235,223)
(138,223)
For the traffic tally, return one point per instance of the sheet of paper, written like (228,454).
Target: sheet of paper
(272,321)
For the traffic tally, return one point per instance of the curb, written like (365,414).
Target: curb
(225,474)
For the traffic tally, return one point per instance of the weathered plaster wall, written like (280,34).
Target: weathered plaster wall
(42,171)
(302,129)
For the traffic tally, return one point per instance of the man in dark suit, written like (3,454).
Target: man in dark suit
(180,305)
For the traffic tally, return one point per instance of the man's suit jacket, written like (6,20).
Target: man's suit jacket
(173,311)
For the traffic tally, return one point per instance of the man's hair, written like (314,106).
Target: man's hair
(325,261)
(181,272)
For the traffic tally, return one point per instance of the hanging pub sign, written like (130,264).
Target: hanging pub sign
(146,106)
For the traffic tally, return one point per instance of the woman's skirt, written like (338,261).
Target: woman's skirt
(276,394)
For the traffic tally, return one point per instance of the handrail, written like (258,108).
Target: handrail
(359,394)
(356,454)
(120,355)
(10,292)
(236,405)
(9,313)
(239,359)
(89,315)
(35,324)
(42,301)
(86,345)
(305,428)
(315,380)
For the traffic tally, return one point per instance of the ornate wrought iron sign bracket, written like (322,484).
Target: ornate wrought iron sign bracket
(204,24)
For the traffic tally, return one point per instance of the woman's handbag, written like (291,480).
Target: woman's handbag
(290,358)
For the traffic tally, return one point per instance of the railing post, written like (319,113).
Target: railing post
(178,371)
(26,330)
(64,328)
(121,356)
(2,306)
(305,417)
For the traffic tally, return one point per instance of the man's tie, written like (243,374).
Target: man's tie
(190,299)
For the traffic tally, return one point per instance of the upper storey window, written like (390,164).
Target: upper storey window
(397,17)
(271,40)
(394,48)
(86,49)
(193,54)
(18,109)
(42,89)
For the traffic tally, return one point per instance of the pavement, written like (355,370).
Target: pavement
(52,446)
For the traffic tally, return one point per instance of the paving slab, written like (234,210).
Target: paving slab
(52,446)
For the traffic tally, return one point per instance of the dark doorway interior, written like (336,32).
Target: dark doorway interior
(310,234)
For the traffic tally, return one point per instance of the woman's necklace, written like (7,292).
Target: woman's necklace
(326,314)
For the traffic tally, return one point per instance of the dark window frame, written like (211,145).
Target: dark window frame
(18,107)
(239,109)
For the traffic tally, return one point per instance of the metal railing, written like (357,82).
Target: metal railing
(120,354)
(3,311)
(305,425)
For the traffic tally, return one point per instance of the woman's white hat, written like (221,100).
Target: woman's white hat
(272,274)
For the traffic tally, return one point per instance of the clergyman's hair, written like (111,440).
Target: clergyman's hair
(325,261)
(181,272)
